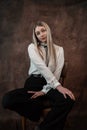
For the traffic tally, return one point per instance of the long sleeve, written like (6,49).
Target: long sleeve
(58,69)
(43,69)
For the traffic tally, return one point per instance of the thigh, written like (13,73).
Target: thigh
(58,98)
(55,95)
(16,96)
(34,83)
(21,96)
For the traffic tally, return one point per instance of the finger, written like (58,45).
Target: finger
(73,97)
(31,91)
(64,95)
(35,95)
(70,94)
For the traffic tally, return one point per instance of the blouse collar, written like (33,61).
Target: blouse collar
(43,44)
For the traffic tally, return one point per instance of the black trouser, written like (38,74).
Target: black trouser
(19,101)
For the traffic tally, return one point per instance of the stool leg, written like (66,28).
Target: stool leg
(23,123)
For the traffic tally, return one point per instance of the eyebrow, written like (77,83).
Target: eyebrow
(41,29)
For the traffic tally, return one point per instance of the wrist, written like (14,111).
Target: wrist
(43,92)
(58,86)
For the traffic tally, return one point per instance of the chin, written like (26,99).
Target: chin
(44,41)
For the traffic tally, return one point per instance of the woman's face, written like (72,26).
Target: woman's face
(41,33)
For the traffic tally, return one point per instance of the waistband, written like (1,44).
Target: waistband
(37,75)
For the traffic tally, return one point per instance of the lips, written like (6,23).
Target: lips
(43,38)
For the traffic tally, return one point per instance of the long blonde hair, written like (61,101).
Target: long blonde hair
(51,49)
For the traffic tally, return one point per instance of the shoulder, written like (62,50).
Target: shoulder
(31,46)
(58,48)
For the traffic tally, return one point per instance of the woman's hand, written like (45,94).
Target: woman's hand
(36,94)
(65,91)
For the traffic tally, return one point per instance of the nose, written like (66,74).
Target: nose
(41,34)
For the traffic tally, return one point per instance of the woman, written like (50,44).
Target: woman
(46,63)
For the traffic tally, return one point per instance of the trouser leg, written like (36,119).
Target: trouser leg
(19,100)
(60,109)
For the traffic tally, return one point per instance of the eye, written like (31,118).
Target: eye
(43,30)
(37,33)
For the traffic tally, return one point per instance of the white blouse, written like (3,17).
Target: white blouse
(38,66)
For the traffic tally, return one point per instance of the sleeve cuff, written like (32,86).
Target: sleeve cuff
(54,83)
(46,88)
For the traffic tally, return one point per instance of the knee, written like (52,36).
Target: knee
(6,101)
(70,102)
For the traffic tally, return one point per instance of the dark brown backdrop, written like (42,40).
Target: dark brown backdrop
(68,22)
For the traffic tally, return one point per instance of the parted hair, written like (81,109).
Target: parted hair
(51,49)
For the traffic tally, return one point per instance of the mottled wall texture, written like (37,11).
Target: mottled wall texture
(68,22)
